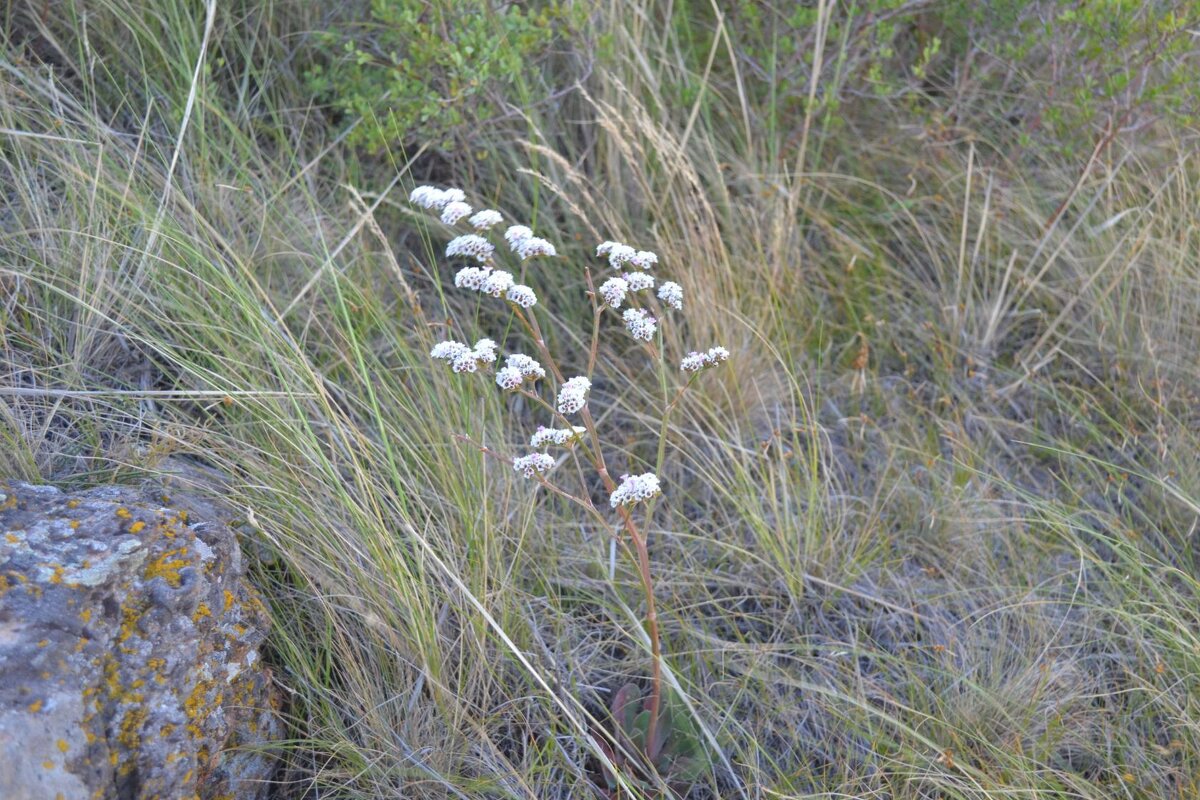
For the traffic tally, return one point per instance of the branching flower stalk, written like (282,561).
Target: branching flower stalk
(520,374)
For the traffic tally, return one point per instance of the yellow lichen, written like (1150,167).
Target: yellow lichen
(74,524)
(35,706)
(167,566)
(129,618)
(63,746)
(72,504)
(48,764)
(202,611)
(12,538)
(86,615)
(228,600)
(137,527)
(123,513)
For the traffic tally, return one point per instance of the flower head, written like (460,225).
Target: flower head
(694,362)
(533,246)
(471,278)
(509,379)
(521,295)
(671,293)
(455,211)
(644,259)
(428,197)
(497,283)
(717,355)
(572,395)
(448,350)
(613,291)
(640,324)
(561,437)
(639,281)
(465,362)
(485,219)
(485,351)
(620,254)
(432,197)
(604,248)
(534,463)
(635,489)
(516,233)
(530,369)
(470,245)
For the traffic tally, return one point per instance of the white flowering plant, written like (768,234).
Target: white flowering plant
(567,400)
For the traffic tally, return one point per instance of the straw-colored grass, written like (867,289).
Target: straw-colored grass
(931,533)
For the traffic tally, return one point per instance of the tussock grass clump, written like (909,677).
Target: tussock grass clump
(932,530)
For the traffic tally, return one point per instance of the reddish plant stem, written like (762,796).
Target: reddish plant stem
(639,542)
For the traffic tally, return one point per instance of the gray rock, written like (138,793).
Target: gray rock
(128,651)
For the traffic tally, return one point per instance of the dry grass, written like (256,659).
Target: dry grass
(932,534)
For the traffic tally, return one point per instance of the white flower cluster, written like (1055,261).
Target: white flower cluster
(639,281)
(486,219)
(534,463)
(559,436)
(462,358)
(516,233)
(671,293)
(470,245)
(455,211)
(432,197)
(635,489)
(621,254)
(518,368)
(573,394)
(694,362)
(521,295)
(533,246)
(522,242)
(497,283)
(640,324)
(613,291)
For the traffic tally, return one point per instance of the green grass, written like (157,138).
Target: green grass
(967,569)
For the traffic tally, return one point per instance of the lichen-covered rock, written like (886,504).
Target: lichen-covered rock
(128,651)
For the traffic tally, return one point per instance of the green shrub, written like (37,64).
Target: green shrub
(425,70)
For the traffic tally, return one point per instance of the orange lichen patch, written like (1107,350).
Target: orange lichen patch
(202,611)
(183,516)
(113,758)
(166,730)
(9,503)
(129,619)
(63,746)
(86,615)
(43,643)
(228,601)
(48,765)
(137,527)
(72,504)
(130,733)
(167,566)
(12,538)
(56,577)
(123,513)
(196,702)
(35,706)
(73,524)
